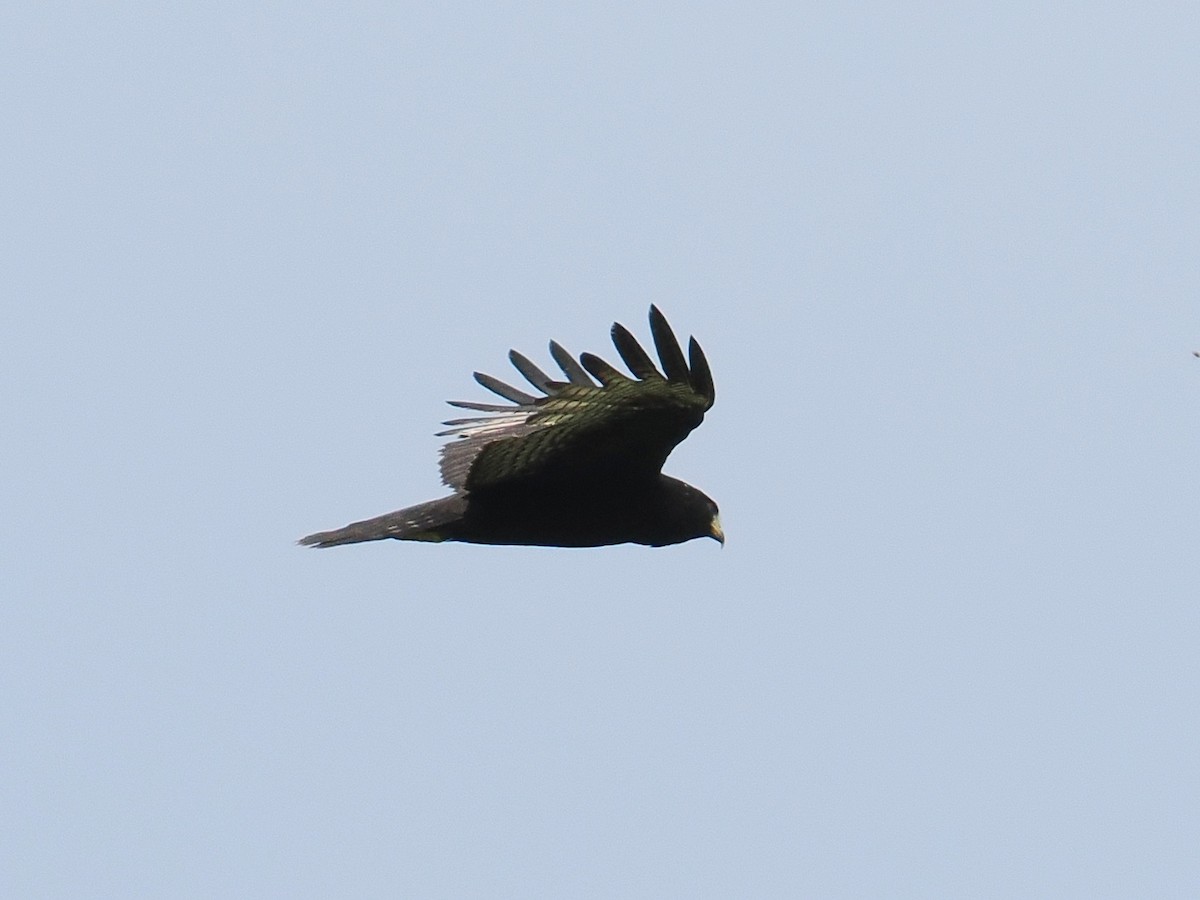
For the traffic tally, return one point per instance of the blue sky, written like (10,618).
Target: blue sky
(943,262)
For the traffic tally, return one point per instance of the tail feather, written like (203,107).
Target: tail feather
(415,523)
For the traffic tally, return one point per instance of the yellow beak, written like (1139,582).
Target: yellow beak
(715,530)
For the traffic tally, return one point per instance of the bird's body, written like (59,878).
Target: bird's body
(579,467)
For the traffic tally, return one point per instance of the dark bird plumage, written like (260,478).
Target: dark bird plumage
(579,466)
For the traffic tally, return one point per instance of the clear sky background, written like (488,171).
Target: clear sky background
(944,260)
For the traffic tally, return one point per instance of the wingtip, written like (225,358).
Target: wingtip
(575,373)
(503,389)
(701,375)
(531,372)
(639,362)
(674,365)
(657,319)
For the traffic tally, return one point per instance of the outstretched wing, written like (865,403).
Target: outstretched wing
(580,429)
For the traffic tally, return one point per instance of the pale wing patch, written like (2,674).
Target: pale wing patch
(473,435)
(483,426)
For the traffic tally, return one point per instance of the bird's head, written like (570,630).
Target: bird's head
(691,513)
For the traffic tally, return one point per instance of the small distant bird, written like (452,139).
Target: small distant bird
(577,467)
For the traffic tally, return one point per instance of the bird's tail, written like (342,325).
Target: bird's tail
(422,522)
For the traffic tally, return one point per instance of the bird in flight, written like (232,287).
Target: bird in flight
(579,466)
